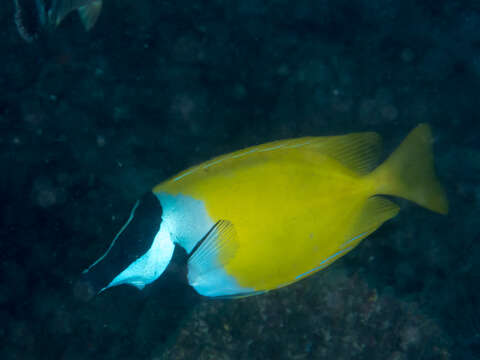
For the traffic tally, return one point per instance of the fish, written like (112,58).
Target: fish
(267,216)
(88,10)
(30,18)
(34,17)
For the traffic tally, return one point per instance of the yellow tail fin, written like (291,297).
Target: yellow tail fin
(409,172)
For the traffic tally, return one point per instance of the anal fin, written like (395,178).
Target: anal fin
(242,295)
(375,212)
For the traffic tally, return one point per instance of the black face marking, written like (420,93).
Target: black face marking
(133,242)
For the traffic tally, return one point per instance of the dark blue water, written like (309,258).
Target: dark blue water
(89,121)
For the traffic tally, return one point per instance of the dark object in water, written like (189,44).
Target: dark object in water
(89,10)
(32,17)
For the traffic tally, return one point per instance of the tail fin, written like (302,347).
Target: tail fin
(409,172)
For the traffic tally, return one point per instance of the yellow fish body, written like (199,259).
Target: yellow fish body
(267,216)
(298,205)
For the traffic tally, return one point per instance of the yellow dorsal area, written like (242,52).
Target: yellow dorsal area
(296,205)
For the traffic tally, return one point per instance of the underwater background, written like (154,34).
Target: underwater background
(89,121)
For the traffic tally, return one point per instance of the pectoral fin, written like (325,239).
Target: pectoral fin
(206,264)
(213,251)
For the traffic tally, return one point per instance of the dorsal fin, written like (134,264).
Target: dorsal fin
(360,152)
(213,251)
(375,212)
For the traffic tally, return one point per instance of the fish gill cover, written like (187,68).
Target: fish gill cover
(91,120)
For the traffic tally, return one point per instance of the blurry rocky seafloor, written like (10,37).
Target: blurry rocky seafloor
(90,121)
